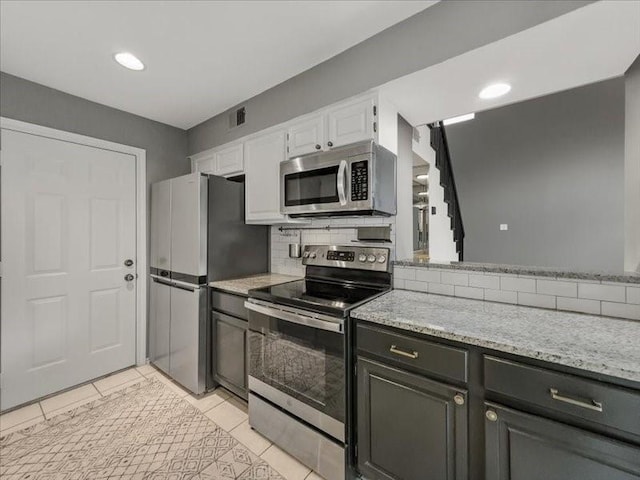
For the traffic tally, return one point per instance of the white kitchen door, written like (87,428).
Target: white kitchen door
(68,226)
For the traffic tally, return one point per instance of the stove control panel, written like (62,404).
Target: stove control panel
(360,258)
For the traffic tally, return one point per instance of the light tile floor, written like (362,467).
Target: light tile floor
(226,410)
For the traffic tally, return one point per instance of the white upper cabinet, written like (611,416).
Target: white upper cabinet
(351,122)
(203,163)
(225,161)
(263,155)
(306,135)
(229,160)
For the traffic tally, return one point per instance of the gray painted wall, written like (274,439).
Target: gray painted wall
(31,102)
(632,168)
(442,31)
(551,168)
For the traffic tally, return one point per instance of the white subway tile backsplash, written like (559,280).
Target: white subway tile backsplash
(536,300)
(405,273)
(440,289)
(452,278)
(561,294)
(469,292)
(516,284)
(633,295)
(622,310)
(415,285)
(594,291)
(428,275)
(581,305)
(557,287)
(398,283)
(502,296)
(484,281)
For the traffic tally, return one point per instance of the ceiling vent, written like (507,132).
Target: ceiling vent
(237,118)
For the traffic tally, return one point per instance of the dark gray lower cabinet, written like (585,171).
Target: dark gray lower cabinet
(409,427)
(230,347)
(520,446)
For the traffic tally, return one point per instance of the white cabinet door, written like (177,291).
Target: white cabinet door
(262,180)
(306,136)
(229,160)
(350,123)
(204,164)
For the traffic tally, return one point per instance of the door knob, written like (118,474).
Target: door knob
(128,262)
(129,277)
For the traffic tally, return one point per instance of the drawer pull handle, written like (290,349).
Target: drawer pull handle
(595,406)
(397,351)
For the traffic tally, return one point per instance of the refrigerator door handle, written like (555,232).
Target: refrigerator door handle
(184,285)
(161,280)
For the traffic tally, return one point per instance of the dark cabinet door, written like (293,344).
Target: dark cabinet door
(520,446)
(409,427)
(230,352)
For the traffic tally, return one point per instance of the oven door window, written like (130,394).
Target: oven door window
(312,187)
(301,361)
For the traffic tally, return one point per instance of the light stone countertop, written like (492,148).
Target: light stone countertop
(242,285)
(597,344)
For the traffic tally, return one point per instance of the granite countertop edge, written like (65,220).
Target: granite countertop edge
(533,352)
(630,277)
(242,285)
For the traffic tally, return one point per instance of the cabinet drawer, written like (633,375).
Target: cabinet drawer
(424,355)
(229,303)
(567,394)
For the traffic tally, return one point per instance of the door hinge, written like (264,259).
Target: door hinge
(375,110)
(375,126)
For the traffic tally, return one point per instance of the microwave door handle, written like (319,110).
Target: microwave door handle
(341,177)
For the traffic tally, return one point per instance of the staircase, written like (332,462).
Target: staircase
(448,183)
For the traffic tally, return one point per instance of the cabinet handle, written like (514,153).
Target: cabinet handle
(590,405)
(397,351)
(491,415)
(318,147)
(458,399)
(330,144)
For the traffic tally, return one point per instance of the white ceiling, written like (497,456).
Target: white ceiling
(202,57)
(593,43)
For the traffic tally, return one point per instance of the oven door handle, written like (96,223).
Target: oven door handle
(340,180)
(296,318)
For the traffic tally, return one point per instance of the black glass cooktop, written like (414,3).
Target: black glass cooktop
(317,295)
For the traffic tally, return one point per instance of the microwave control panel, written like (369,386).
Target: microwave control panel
(359,181)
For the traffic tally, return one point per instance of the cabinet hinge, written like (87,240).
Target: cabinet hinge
(375,126)
(375,110)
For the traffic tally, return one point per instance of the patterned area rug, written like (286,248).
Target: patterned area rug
(143,432)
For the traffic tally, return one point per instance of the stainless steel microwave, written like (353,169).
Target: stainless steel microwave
(358,179)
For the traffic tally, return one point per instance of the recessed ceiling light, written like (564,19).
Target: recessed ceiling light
(129,60)
(422,176)
(495,90)
(458,119)
(423,194)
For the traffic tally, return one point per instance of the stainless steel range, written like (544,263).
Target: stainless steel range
(297,352)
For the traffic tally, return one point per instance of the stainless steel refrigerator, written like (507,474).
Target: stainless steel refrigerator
(197,235)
